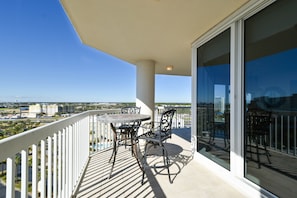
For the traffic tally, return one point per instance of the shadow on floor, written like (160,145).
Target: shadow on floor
(126,175)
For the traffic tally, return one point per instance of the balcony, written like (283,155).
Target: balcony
(70,157)
(126,177)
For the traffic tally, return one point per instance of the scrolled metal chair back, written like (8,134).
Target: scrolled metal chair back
(166,121)
(130,110)
(258,122)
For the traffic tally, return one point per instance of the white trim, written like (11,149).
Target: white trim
(233,101)
(49,166)
(237,98)
(42,188)
(194,101)
(55,167)
(254,10)
(10,177)
(24,173)
(34,170)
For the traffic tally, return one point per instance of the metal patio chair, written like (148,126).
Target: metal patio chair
(131,129)
(124,128)
(258,126)
(157,137)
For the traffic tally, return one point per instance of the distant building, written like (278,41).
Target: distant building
(66,109)
(24,112)
(34,110)
(219,104)
(38,110)
(48,109)
(51,110)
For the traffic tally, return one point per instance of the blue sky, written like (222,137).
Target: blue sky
(43,59)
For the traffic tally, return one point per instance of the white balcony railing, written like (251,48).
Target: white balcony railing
(52,157)
(283,133)
(49,161)
(181,119)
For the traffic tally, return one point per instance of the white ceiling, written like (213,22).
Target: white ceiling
(159,30)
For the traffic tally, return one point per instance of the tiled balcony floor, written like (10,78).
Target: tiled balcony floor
(190,179)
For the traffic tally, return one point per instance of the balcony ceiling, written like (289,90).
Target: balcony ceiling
(159,30)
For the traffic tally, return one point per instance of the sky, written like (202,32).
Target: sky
(42,59)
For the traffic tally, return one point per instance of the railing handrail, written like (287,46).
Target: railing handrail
(21,141)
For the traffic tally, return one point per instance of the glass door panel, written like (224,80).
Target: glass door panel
(271,98)
(213,105)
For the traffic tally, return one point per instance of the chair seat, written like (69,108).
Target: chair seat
(124,128)
(128,131)
(154,137)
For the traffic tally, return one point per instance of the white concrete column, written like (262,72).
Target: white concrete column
(145,86)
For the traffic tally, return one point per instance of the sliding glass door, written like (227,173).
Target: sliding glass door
(271,98)
(213,103)
(261,48)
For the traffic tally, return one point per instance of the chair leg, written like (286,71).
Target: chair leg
(258,154)
(250,146)
(267,152)
(136,155)
(164,156)
(132,143)
(165,160)
(114,142)
(114,154)
(125,137)
(167,163)
(144,163)
(142,180)
(115,149)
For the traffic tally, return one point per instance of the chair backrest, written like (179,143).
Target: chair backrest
(166,122)
(130,110)
(227,121)
(133,127)
(258,122)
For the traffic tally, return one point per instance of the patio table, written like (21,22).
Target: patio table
(113,119)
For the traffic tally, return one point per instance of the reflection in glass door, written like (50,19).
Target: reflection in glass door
(271,98)
(213,105)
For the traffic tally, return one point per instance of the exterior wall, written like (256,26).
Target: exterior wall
(49,110)
(34,110)
(52,109)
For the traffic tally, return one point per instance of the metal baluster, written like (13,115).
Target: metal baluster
(282,133)
(275,133)
(295,147)
(288,135)
(270,135)
(93,140)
